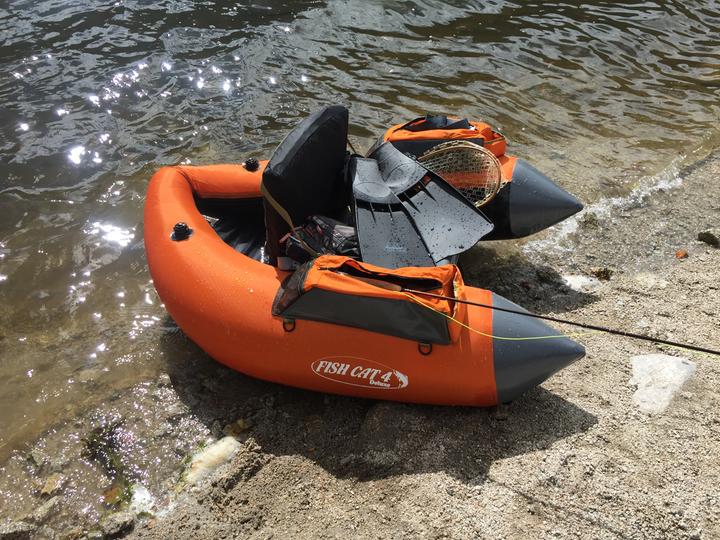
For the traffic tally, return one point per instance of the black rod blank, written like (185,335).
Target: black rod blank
(572,323)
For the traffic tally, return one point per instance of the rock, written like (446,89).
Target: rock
(658,377)
(37,457)
(709,238)
(53,485)
(206,461)
(116,494)
(191,401)
(42,513)
(602,273)
(589,220)
(216,429)
(88,375)
(117,524)
(16,530)
(681,254)
(237,427)
(45,533)
(56,464)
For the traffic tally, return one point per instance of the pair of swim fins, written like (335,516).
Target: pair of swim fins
(406,215)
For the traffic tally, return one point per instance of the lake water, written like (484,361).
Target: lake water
(94,96)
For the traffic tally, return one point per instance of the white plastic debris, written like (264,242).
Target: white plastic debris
(142,500)
(206,461)
(582,283)
(658,377)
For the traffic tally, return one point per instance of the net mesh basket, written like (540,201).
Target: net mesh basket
(473,170)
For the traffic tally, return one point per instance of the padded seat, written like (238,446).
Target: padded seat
(305,175)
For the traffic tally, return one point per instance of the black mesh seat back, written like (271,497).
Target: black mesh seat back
(304,175)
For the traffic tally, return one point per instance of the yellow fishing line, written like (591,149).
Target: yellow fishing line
(505,338)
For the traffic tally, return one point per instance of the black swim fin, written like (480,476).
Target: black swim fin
(447,222)
(386,236)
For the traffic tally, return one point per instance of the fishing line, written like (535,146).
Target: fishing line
(504,338)
(594,327)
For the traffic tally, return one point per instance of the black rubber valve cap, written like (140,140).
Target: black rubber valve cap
(181,231)
(252,164)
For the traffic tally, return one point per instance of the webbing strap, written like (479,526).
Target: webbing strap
(286,217)
(435,121)
(276,205)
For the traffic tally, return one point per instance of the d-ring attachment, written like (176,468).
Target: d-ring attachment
(425,348)
(288,325)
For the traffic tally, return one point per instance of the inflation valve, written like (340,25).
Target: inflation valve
(251,164)
(181,231)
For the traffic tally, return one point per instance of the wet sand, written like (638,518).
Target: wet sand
(575,458)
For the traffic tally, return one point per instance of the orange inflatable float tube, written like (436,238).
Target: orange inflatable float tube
(338,326)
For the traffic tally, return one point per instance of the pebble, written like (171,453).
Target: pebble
(42,513)
(88,375)
(37,457)
(709,238)
(602,273)
(681,254)
(53,484)
(117,524)
(237,427)
(16,530)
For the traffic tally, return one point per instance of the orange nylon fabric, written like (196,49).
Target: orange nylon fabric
(322,276)
(495,142)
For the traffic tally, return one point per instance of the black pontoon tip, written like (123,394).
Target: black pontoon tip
(524,364)
(536,202)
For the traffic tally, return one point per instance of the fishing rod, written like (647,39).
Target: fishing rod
(598,328)
(397,288)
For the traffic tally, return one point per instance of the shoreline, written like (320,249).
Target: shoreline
(574,458)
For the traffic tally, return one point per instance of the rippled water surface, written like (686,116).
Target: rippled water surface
(96,95)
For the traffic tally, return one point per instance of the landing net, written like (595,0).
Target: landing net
(473,170)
